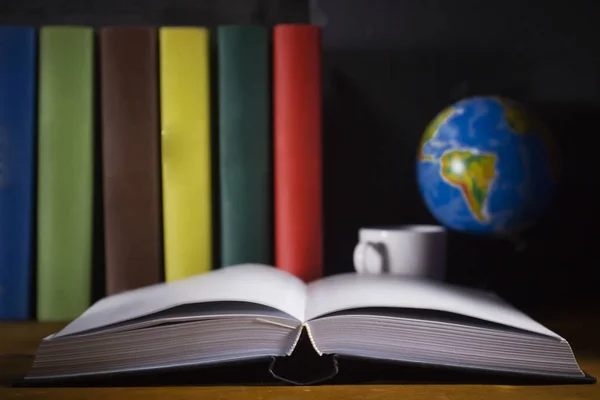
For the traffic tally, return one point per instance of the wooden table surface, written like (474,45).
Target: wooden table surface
(19,341)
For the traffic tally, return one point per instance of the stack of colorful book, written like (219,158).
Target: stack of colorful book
(208,158)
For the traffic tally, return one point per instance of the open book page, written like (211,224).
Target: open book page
(351,291)
(251,283)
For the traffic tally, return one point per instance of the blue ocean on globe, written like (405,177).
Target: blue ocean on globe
(486,165)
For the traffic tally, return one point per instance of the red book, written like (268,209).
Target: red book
(297,150)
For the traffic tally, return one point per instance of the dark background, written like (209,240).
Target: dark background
(389,66)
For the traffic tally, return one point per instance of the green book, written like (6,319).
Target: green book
(65,172)
(244,145)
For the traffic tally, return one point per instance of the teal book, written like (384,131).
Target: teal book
(244,145)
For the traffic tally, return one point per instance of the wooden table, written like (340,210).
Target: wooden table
(19,341)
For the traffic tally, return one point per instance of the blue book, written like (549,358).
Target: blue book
(17,151)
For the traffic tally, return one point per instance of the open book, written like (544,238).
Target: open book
(252,311)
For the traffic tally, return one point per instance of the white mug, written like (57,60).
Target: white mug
(410,250)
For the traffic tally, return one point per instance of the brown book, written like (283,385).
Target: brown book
(130,144)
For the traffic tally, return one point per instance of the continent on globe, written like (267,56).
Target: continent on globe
(516,119)
(472,173)
(522,122)
(432,129)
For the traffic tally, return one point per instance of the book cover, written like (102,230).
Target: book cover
(244,144)
(65,171)
(130,151)
(297,148)
(17,171)
(185,141)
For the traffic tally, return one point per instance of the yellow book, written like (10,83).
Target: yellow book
(185,137)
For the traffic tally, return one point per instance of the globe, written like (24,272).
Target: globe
(487,165)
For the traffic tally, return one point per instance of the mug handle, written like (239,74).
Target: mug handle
(368,258)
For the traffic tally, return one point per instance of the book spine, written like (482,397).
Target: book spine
(186,162)
(297,147)
(244,145)
(65,172)
(130,151)
(17,151)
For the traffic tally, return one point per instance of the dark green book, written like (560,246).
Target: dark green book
(244,145)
